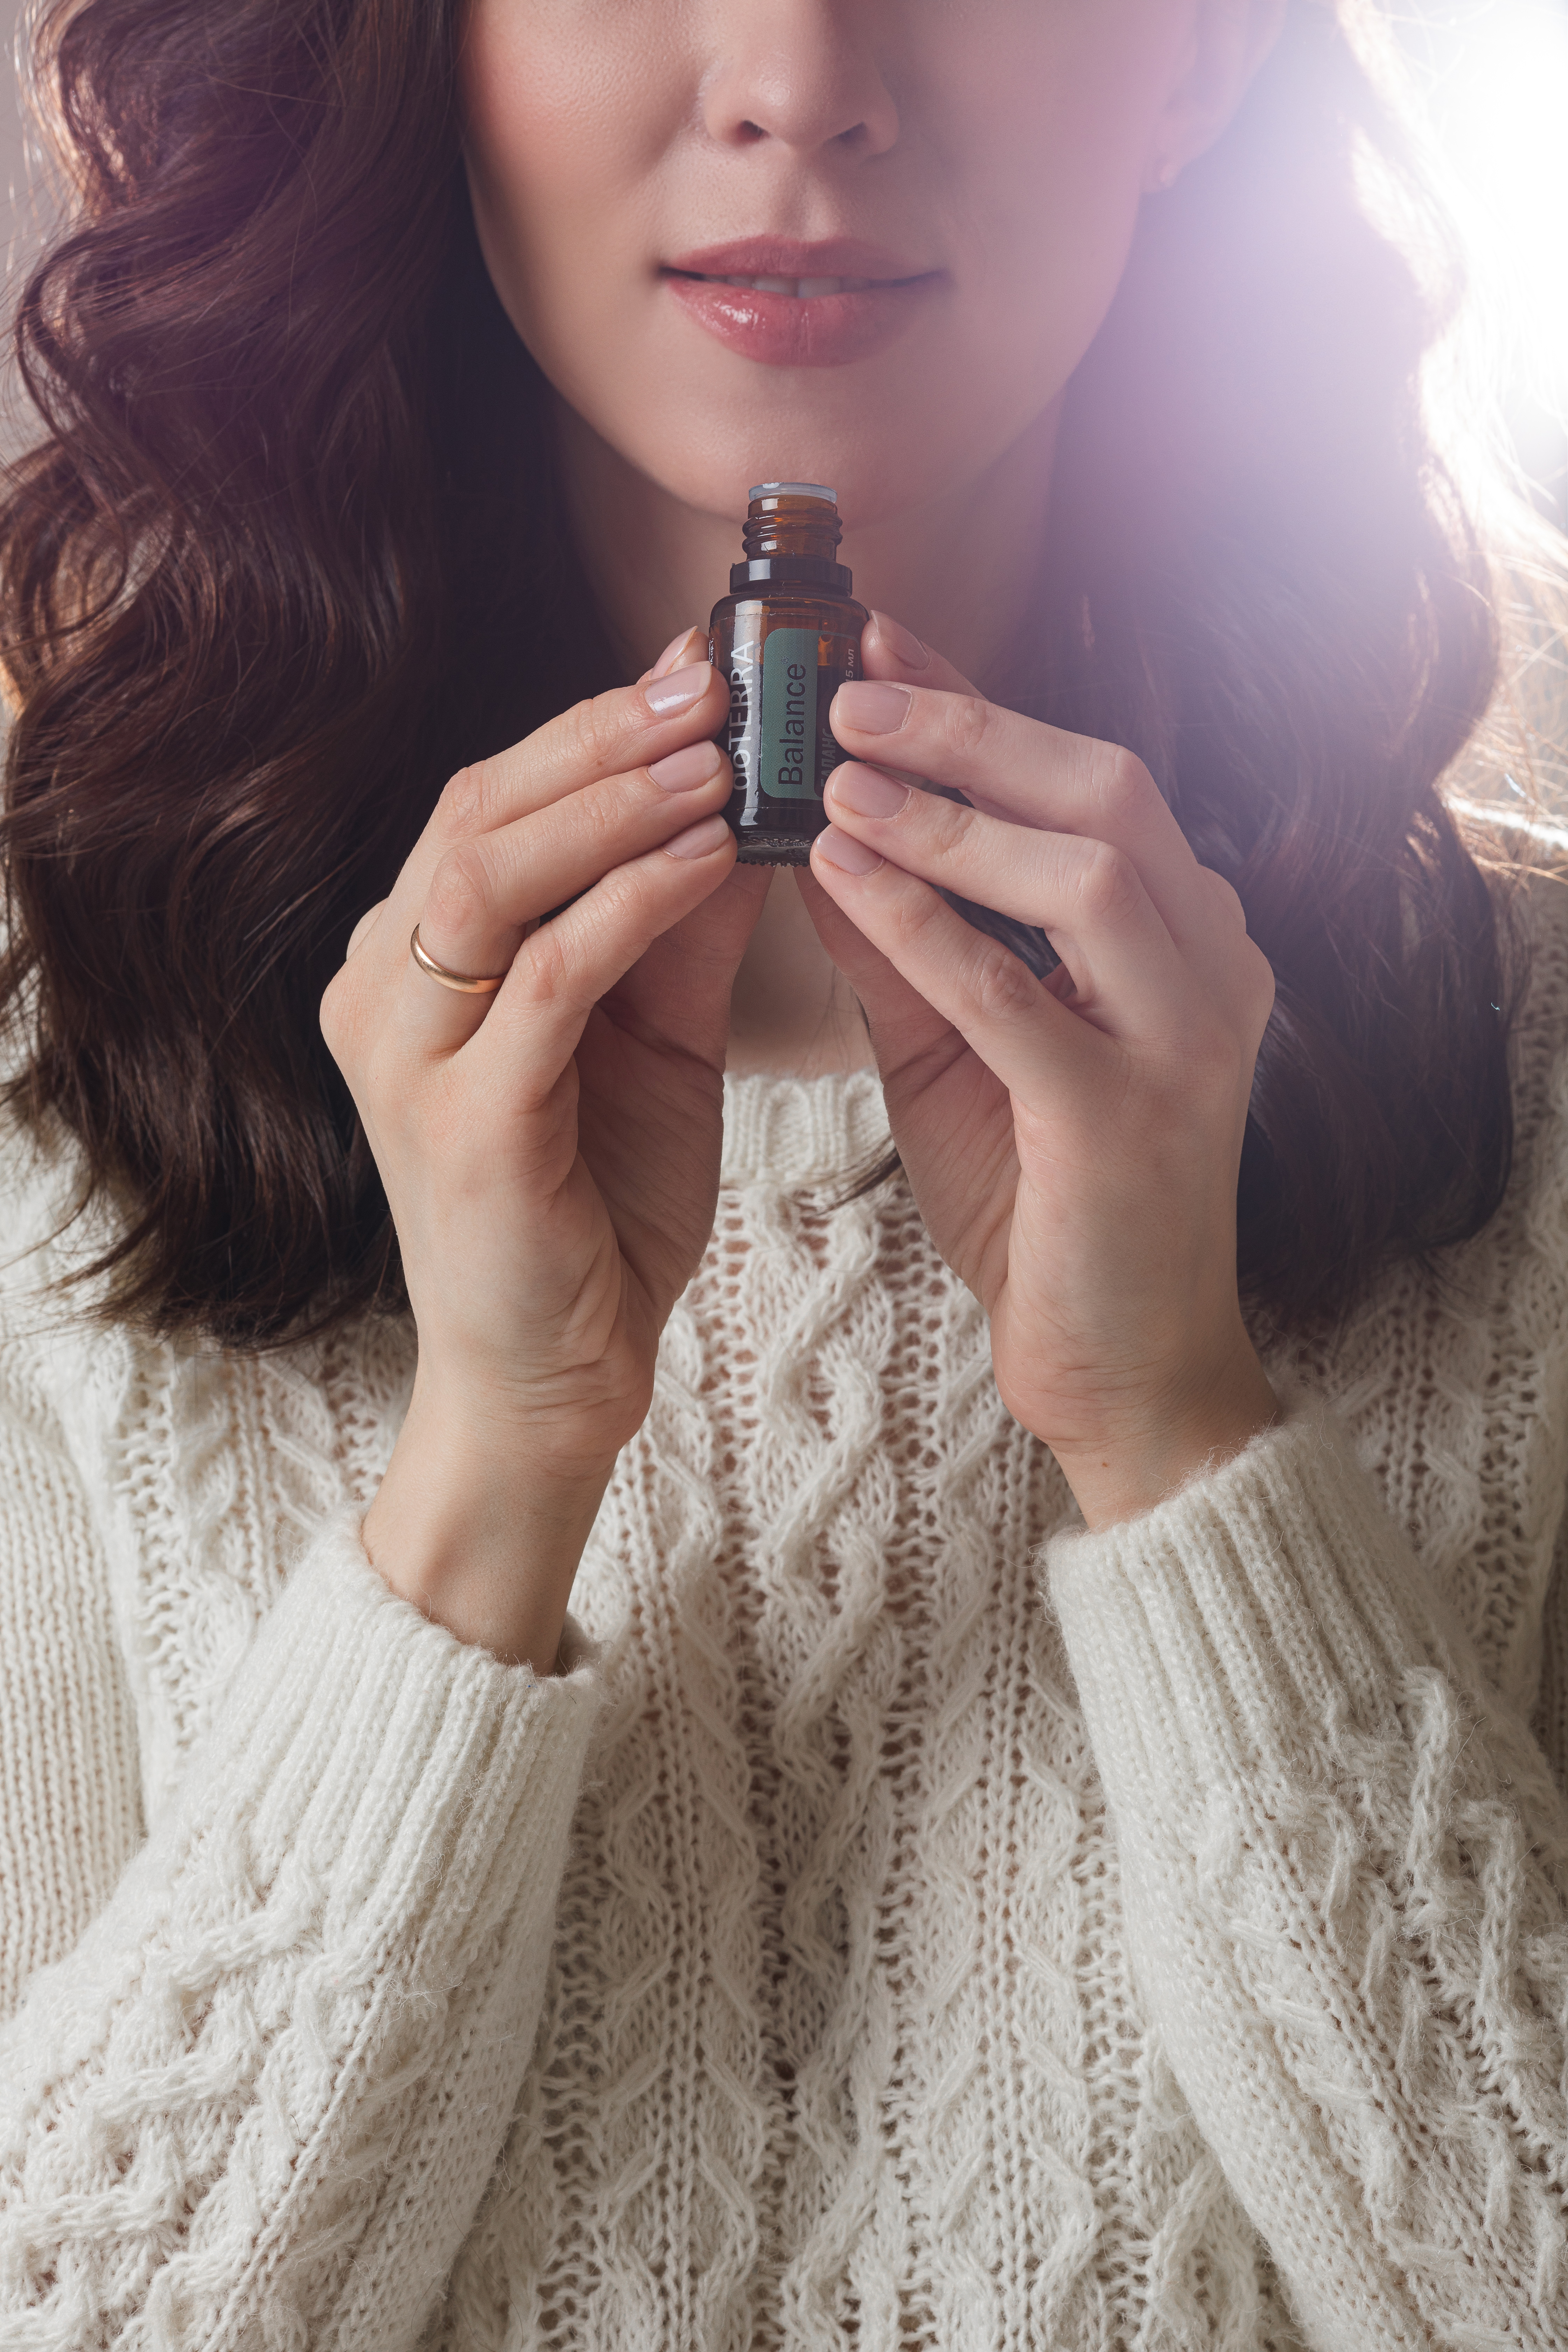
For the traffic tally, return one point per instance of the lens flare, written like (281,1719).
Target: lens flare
(1499,101)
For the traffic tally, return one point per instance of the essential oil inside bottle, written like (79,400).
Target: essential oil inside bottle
(787,637)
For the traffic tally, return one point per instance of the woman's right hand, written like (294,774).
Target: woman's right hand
(550,1151)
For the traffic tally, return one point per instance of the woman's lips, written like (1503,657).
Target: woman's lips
(807,328)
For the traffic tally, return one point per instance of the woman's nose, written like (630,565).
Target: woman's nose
(804,73)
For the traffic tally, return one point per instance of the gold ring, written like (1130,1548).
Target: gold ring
(427,963)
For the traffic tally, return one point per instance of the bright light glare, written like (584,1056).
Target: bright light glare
(1500,106)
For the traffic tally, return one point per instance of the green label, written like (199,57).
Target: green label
(788,751)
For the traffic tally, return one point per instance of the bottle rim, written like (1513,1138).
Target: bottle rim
(792,490)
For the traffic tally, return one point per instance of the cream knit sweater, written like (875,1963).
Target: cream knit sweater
(905,1921)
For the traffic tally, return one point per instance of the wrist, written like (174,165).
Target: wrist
(482,1528)
(1202,1424)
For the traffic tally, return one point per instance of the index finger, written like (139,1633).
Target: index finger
(892,655)
(889,650)
(610,735)
(607,735)
(1031,773)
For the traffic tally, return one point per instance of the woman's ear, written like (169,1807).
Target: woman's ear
(1227,42)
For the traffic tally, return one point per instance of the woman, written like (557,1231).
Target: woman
(1039,1826)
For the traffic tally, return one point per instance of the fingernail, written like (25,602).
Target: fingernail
(867,790)
(680,689)
(676,647)
(901,642)
(872,709)
(683,770)
(843,850)
(698,839)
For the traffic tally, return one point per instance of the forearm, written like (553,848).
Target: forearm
(1346,1878)
(481,1528)
(313,1992)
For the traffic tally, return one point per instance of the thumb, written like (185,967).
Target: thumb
(889,650)
(678,992)
(901,1021)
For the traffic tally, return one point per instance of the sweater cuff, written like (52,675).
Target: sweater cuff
(398,1782)
(1251,1618)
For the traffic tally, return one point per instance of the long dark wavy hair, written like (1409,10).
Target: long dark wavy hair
(290,550)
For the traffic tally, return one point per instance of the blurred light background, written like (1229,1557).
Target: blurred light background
(1493,75)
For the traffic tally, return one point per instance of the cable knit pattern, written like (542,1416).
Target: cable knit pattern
(905,1920)
(1347,1867)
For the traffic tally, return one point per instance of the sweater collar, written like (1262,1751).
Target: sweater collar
(791,1132)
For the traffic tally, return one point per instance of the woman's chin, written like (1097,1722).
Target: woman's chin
(877,466)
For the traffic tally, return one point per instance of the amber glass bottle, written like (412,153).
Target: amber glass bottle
(786,637)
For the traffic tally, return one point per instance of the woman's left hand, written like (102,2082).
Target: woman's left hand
(1073,1143)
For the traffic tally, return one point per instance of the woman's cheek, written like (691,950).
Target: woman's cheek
(556,129)
(1056,150)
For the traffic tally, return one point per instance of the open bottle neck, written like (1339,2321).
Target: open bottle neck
(790,540)
(792,526)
